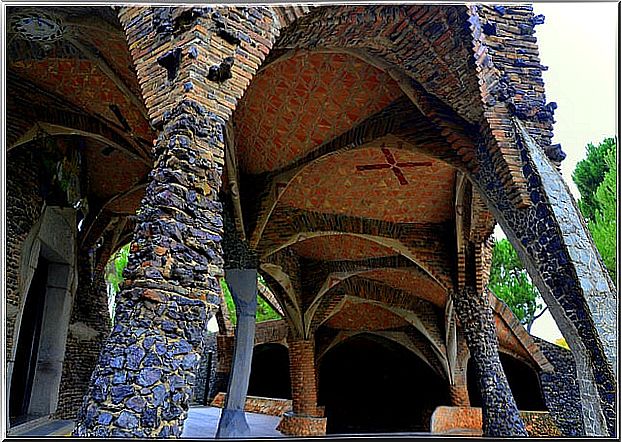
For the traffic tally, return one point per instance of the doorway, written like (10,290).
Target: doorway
(370,384)
(27,350)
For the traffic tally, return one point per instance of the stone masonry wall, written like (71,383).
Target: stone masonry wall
(560,389)
(88,327)
(203,370)
(23,209)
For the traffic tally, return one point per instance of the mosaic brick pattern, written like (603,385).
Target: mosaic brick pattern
(295,105)
(341,247)
(336,185)
(418,285)
(363,316)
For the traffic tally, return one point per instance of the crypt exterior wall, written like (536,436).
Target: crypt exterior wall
(35,230)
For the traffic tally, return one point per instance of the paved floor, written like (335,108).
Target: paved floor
(202,422)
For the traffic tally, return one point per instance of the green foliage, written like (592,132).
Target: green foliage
(114,275)
(510,282)
(603,225)
(265,312)
(114,278)
(561,342)
(590,173)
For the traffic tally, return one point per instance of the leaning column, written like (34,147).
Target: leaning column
(500,413)
(241,278)
(192,70)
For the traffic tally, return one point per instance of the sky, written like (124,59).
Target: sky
(578,44)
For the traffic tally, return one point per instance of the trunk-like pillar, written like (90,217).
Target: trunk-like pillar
(305,419)
(243,286)
(552,240)
(241,277)
(500,413)
(192,70)
(143,382)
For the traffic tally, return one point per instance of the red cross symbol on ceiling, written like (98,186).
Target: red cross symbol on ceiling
(393,165)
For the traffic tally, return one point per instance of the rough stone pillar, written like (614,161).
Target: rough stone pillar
(517,175)
(143,382)
(500,413)
(552,240)
(192,65)
(305,418)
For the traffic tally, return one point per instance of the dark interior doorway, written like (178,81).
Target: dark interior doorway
(369,384)
(269,375)
(523,382)
(27,350)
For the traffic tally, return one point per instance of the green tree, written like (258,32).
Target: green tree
(590,173)
(603,226)
(114,276)
(265,312)
(596,179)
(511,283)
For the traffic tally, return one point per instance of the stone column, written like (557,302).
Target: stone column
(241,265)
(305,419)
(143,382)
(553,242)
(243,286)
(500,413)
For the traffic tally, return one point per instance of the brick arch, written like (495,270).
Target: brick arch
(386,243)
(397,337)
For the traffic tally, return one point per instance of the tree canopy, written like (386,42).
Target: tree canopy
(596,179)
(511,283)
(590,173)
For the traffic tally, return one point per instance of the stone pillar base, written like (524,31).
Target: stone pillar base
(298,425)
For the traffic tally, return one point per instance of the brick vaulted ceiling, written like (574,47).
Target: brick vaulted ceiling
(363,183)
(296,104)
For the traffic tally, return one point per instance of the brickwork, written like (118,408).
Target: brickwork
(23,209)
(292,424)
(459,395)
(303,377)
(467,421)
(88,327)
(261,405)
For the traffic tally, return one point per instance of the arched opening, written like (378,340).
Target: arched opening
(27,351)
(269,375)
(369,384)
(523,381)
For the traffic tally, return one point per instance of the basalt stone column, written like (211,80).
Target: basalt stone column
(193,64)
(143,382)
(500,413)
(552,240)
(518,177)
(241,276)
(305,418)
